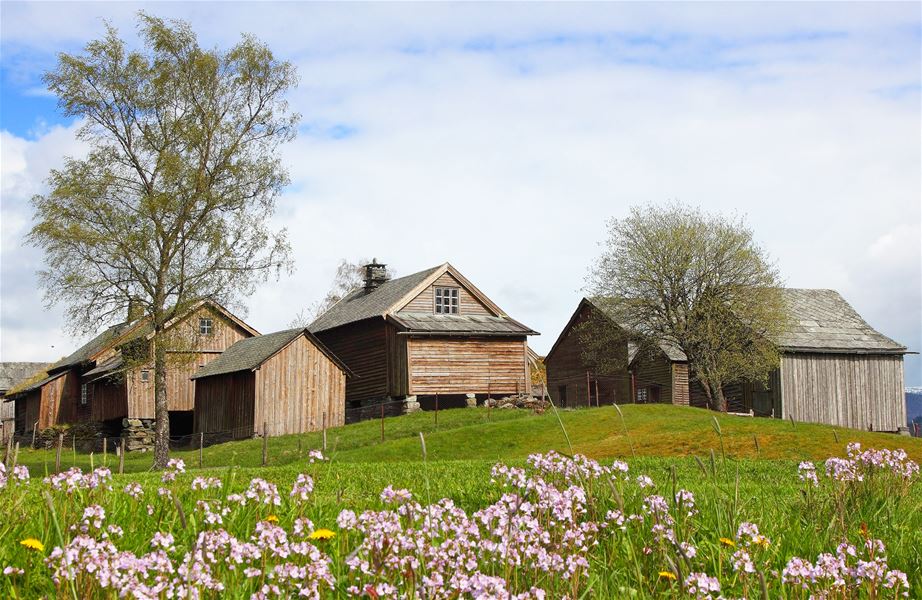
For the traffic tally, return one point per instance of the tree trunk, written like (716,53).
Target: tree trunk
(161,408)
(721,400)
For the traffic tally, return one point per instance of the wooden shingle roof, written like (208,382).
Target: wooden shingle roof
(822,321)
(250,353)
(467,324)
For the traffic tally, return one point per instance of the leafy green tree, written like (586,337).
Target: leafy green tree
(172,204)
(699,281)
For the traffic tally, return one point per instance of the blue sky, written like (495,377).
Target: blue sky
(500,137)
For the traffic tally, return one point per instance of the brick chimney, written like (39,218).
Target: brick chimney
(375,275)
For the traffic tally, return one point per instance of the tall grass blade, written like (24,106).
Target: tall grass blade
(626,433)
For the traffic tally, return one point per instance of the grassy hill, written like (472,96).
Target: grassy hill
(494,435)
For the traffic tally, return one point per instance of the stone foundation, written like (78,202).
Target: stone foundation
(471,400)
(138,435)
(410,405)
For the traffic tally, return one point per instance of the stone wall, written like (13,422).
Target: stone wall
(138,434)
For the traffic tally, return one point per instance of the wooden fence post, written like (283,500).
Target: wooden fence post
(16,454)
(201,448)
(57,456)
(9,450)
(121,458)
(588,392)
(596,393)
(436,409)
(34,431)
(105,451)
(265,443)
(324,425)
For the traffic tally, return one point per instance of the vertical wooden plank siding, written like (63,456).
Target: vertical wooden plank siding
(566,366)
(363,347)
(224,404)
(108,400)
(58,399)
(467,303)
(680,394)
(654,372)
(296,387)
(182,365)
(860,391)
(397,368)
(467,365)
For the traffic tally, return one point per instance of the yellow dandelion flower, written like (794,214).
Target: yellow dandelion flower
(322,534)
(761,540)
(272,519)
(667,575)
(727,542)
(33,544)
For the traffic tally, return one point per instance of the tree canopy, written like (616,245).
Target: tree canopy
(172,204)
(677,275)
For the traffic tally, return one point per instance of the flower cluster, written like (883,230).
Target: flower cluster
(847,573)
(75,479)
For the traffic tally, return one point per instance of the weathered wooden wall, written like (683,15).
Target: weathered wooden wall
(27,411)
(398,382)
(567,368)
(494,366)
(225,403)
(108,400)
(850,390)
(654,372)
(467,303)
(193,352)
(298,388)
(680,386)
(363,347)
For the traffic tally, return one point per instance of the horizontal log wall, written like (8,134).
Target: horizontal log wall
(467,366)
(467,303)
(363,347)
(857,391)
(225,403)
(298,388)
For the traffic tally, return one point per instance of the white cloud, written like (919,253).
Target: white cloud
(507,163)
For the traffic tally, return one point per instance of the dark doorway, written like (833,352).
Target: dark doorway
(181,424)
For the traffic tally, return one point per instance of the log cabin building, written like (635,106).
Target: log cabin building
(109,381)
(279,383)
(426,335)
(835,369)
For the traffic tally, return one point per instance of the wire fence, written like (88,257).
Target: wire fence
(108,446)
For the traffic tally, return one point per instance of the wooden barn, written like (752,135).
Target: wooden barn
(835,369)
(428,334)
(13,374)
(279,383)
(628,376)
(109,381)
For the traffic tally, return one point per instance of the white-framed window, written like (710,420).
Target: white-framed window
(145,375)
(446,300)
(83,395)
(204,326)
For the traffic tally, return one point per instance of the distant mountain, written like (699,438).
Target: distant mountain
(913,403)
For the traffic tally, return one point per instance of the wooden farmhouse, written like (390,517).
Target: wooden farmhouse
(278,383)
(426,335)
(108,383)
(835,369)
(628,376)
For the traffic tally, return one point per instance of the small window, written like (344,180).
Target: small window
(642,396)
(204,326)
(83,395)
(145,376)
(446,300)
